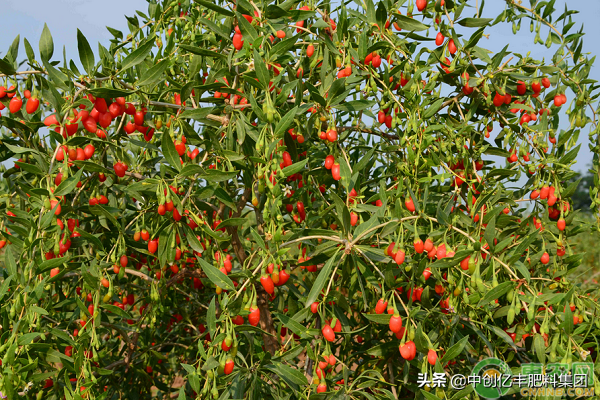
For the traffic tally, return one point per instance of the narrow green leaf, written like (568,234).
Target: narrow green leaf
(215,7)
(197,114)
(410,24)
(138,55)
(86,55)
(539,347)
(6,67)
(434,108)
(116,310)
(107,93)
(490,233)
(5,285)
(495,293)
(570,190)
(261,70)
(320,281)
(455,350)
(201,52)
(294,168)
(217,277)
(429,396)
(289,374)
(378,318)
(101,210)
(10,263)
(258,239)
(192,239)
(354,105)
(29,50)
(285,122)
(154,74)
(232,222)
(68,184)
(211,317)
(213,175)
(46,44)
(474,22)
(28,338)
(90,238)
(168,148)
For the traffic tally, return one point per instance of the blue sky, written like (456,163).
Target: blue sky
(91,17)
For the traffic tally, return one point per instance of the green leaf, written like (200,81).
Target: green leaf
(46,44)
(56,76)
(67,185)
(116,310)
(355,105)
(168,148)
(429,396)
(202,52)
(101,210)
(215,7)
(9,262)
(38,310)
(28,338)
(5,285)
(90,238)
(323,276)
(293,325)
(211,363)
(191,169)
(378,318)
(211,317)
(498,331)
(197,113)
(434,108)
(289,374)
(261,69)
(86,55)
(495,293)
(570,156)
(34,169)
(441,214)
(108,93)
(570,190)
(474,22)
(240,128)
(232,222)
(336,88)
(216,276)
(490,233)
(29,51)
(258,239)
(49,264)
(6,67)
(13,51)
(214,175)
(410,24)
(539,347)
(294,168)
(138,55)
(454,351)
(153,75)
(461,394)
(285,122)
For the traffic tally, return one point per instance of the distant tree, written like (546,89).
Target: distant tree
(581,198)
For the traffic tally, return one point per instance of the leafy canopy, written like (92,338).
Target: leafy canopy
(292,200)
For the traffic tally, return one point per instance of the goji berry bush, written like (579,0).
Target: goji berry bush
(292,200)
